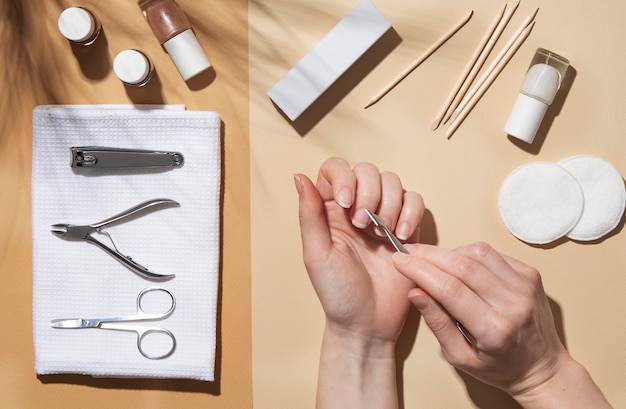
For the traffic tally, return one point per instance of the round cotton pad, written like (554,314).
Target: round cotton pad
(540,202)
(604,192)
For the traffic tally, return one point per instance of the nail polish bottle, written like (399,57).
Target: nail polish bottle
(173,30)
(133,67)
(79,25)
(540,85)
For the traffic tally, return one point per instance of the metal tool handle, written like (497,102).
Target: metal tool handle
(129,262)
(142,315)
(145,206)
(142,334)
(96,157)
(122,324)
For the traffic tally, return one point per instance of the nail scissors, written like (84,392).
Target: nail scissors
(120,324)
(84,232)
(378,222)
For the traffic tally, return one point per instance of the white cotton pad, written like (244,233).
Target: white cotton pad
(604,192)
(540,202)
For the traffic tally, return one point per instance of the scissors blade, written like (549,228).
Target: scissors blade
(75,323)
(378,222)
(69,323)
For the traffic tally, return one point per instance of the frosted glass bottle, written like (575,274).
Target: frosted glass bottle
(537,92)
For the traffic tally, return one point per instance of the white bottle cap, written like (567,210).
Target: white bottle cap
(187,54)
(132,67)
(525,118)
(76,24)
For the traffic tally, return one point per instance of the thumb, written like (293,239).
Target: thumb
(314,228)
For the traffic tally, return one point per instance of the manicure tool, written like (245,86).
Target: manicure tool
(329,59)
(84,232)
(417,62)
(119,324)
(97,157)
(378,222)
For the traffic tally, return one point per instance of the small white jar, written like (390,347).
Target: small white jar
(133,68)
(79,25)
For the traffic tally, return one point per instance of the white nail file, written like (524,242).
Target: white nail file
(329,59)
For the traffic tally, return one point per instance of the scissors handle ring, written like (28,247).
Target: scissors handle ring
(146,316)
(141,334)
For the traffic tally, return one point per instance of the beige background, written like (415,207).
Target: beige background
(459,178)
(40,67)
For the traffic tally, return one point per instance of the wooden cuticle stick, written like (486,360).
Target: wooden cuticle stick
(420,60)
(481,80)
(468,67)
(508,14)
(519,40)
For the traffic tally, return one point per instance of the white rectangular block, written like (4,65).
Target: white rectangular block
(329,59)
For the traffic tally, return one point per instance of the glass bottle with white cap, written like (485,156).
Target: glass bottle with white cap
(173,30)
(540,85)
(79,25)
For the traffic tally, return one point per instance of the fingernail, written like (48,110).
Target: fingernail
(379,232)
(298,183)
(360,219)
(419,300)
(387,222)
(402,232)
(401,258)
(344,198)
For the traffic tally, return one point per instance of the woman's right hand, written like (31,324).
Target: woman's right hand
(502,303)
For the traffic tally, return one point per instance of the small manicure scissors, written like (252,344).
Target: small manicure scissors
(378,222)
(120,324)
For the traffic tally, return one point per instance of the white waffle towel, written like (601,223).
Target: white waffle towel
(74,279)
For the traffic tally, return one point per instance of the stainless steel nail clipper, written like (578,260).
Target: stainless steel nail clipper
(97,157)
(84,232)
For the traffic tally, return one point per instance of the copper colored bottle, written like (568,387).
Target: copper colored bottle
(173,30)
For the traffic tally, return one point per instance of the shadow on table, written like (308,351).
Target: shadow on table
(345,83)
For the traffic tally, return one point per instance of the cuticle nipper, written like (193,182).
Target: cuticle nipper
(84,232)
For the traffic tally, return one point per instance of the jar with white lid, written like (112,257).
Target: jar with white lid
(133,67)
(79,25)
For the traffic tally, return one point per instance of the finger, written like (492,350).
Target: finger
(411,215)
(530,277)
(391,199)
(526,272)
(508,276)
(336,181)
(515,263)
(444,327)
(491,260)
(368,193)
(478,266)
(314,230)
(455,297)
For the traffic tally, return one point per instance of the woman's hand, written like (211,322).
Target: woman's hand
(363,296)
(351,269)
(502,303)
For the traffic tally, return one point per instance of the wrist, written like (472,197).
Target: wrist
(569,385)
(357,345)
(356,371)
